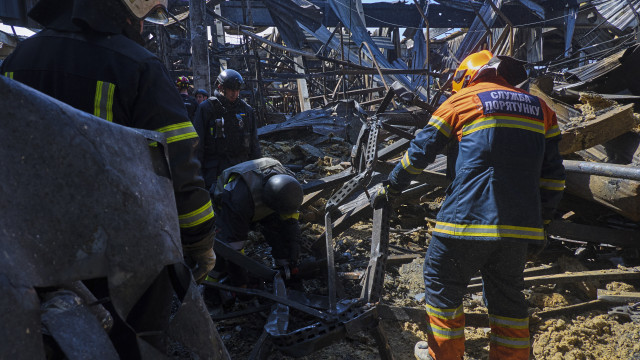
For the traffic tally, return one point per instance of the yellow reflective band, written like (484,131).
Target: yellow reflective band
(96,100)
(552,131)
(209,278)
(231,178)
(445,314)
(103,102)
(441,125)
(9,74)
(406,165)
(510,342)
(503,121)
(295,215)
(180,131)
(507,322)
(111,91)
(446,333)
(196,217)
(476,230)
(552,184)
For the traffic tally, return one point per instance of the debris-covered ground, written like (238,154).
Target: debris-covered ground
(588,334)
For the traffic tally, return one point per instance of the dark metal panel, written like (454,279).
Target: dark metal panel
(80,199)
(19,321)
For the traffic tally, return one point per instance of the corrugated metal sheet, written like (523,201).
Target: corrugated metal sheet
(477,30)
(598,68)
(350,19)
(622,14)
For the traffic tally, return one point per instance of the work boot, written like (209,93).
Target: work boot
(421,351)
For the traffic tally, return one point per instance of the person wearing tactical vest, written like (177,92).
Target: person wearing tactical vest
(227,128)
(258,191)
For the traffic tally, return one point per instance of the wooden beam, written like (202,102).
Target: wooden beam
(603,128)
(534,271)
(303,90)
(618,297)
(605,275)
(595,234)
(570,310)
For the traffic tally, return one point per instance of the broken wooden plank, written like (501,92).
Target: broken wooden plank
(570,277)
(393,260)
(594,234)
(620,195)
(618,297)
(534,271)
(569,310)
(328,181)
(603,128)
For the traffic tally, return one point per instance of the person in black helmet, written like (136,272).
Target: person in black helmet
(258,191)
(201,95)
(89,55)
(227,128)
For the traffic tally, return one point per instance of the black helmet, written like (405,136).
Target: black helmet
(230,79)
(283,193)
(201,92)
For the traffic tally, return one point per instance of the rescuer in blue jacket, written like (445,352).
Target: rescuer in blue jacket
(509,178)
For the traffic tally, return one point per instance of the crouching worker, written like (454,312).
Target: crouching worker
(257,191)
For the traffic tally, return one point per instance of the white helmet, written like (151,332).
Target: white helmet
(154,11)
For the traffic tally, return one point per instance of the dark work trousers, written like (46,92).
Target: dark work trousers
(449,266)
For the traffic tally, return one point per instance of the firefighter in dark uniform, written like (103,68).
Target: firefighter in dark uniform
(258,191)
(228,128)
(89,56)
(190,103)
(509,178)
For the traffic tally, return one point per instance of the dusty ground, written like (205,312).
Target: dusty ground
(587,335)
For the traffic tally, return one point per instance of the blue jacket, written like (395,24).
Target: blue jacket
(509,173)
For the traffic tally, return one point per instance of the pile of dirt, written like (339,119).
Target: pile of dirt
(586,337)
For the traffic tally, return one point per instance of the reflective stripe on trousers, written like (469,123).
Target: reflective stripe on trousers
(509,338)
(445,332)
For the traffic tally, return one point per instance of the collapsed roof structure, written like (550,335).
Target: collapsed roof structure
(372,72)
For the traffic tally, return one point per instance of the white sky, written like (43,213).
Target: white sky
(19,30)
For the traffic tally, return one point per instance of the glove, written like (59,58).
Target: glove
(200,258)
(385,193)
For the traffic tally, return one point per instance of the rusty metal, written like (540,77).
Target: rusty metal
(374,275)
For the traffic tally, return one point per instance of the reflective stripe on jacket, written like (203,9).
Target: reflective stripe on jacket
(508,173)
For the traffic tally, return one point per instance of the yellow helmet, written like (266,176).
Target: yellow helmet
(468,69)
(154,11)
